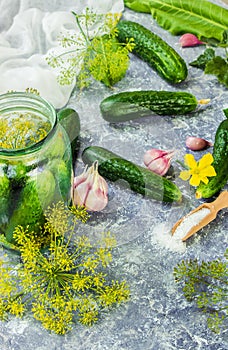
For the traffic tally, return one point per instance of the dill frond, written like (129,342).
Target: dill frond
(93,52)
(206,283)
(66,282)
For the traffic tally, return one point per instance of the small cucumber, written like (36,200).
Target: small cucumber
(220,164)
(69,119)
(153,50)
(130,105)
(225,111)
(140,180)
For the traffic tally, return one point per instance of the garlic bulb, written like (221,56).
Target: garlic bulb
(90,189)
(197,143)
(158,161)
(188,40)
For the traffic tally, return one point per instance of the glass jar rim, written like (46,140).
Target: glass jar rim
(21,100)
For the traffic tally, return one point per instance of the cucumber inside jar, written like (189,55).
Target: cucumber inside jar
(35,163)
(32,187)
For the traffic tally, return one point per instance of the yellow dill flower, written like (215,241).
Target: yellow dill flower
(90,264)
(198,171)
(54,315)
(104,255)
(81,282)
(57,219)
(64,282)
(3,310)
(100,56)
(7,283)
(32,91)
(16,307)
(98,280)
(115,293)
(89,317)
(18,131)
(80,213)
(108,240)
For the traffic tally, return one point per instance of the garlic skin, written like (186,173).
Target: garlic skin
(90,189)
(197,143)
(158,161)
(188,40)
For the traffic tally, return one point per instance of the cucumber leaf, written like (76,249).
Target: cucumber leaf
(202,60)
(212,64)
(219,67)
(202,18)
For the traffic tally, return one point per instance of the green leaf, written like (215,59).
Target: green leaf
(138,6)
(202,18)
(225,111)
(219,67)
(203,59)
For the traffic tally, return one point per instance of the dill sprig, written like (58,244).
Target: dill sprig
(20,130)
(93,52)
(64,283)
(206,283)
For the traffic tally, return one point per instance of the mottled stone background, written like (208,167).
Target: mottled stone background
(157,317)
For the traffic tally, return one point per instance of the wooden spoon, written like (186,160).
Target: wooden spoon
(219,203)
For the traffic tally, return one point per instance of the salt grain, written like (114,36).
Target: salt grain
(190,221)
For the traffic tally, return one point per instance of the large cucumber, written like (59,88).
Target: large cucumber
(154,50)
(220,164)
(34,198)
(130,105)
(140,180)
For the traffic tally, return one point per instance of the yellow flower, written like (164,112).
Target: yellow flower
(16,307)
(63,283)
(198,171)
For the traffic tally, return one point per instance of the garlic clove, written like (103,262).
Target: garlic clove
(188,40)
(159,166)
(81,178)
(97,197)
(91,189)
(197,143)
(158,161)
(152,154)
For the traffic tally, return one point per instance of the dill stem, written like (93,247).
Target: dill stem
(78,254)
(81,30)
(224,308)
(18,295)
(203,280)
(182,164)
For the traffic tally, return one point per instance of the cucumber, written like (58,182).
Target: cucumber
(220,164)
(130,105)
(140,180)
(34,198)
(5,189)
(153,50)
(226,112)
(69,119)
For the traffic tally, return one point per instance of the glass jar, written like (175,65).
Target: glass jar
(35,161)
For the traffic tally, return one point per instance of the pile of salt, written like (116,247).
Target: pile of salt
(190,221)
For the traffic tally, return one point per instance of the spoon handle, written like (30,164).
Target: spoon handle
(220,202)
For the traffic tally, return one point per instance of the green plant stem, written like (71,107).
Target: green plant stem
(182,164)
(81,30)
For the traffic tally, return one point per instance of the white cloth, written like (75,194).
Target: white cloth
(29,30)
